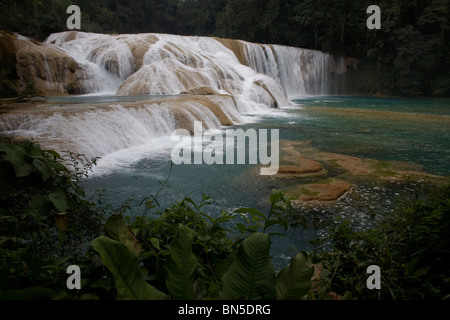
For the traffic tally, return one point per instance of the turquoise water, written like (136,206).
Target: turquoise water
(408,105)
(412,130)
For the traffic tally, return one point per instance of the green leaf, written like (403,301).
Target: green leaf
(276,196)
(124,266)
(8,180)
(59,200)
(55,154)
(43,169)
(61,221)
(117,229)
(277,220)
(208,217)
(420,272)
(251,211)
(155,243)
(34,151)
(294,281)
(4,147)
(61,260)
(187,199)
(251,274)
(347,296)
(16,156)
(242,228)
(256,214)
(40,203)
(181,265)
(271,222)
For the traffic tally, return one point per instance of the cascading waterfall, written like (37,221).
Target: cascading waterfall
(216,80)
(168,64)
(102,129)
(300,71)
(106,60)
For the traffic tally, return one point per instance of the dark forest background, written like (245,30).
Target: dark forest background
(409,56)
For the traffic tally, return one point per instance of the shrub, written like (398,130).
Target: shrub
(183,253)
(43,215)
(411,246)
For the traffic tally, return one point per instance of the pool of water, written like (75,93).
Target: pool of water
(411,130)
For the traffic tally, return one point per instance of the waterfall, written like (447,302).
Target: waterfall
(216,81)
(300,71)
(101,129)
(144,64)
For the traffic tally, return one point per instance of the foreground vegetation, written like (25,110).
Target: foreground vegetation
(182,253)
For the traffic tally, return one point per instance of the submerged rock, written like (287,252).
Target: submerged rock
(315,176)
(324,192)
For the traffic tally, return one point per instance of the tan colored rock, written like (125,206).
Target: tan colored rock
(140,47)
(274,103)
(294,164)
(41,69)
(202,91)
(303,168)
(298,161)
(325,192)
(7,50)
(238,48)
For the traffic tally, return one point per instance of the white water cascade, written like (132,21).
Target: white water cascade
(215,81)
(167,64)
(300,71)
(101,129)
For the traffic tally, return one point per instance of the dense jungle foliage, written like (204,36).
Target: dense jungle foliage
(409,56)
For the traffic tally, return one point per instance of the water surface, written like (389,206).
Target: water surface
(412,130)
